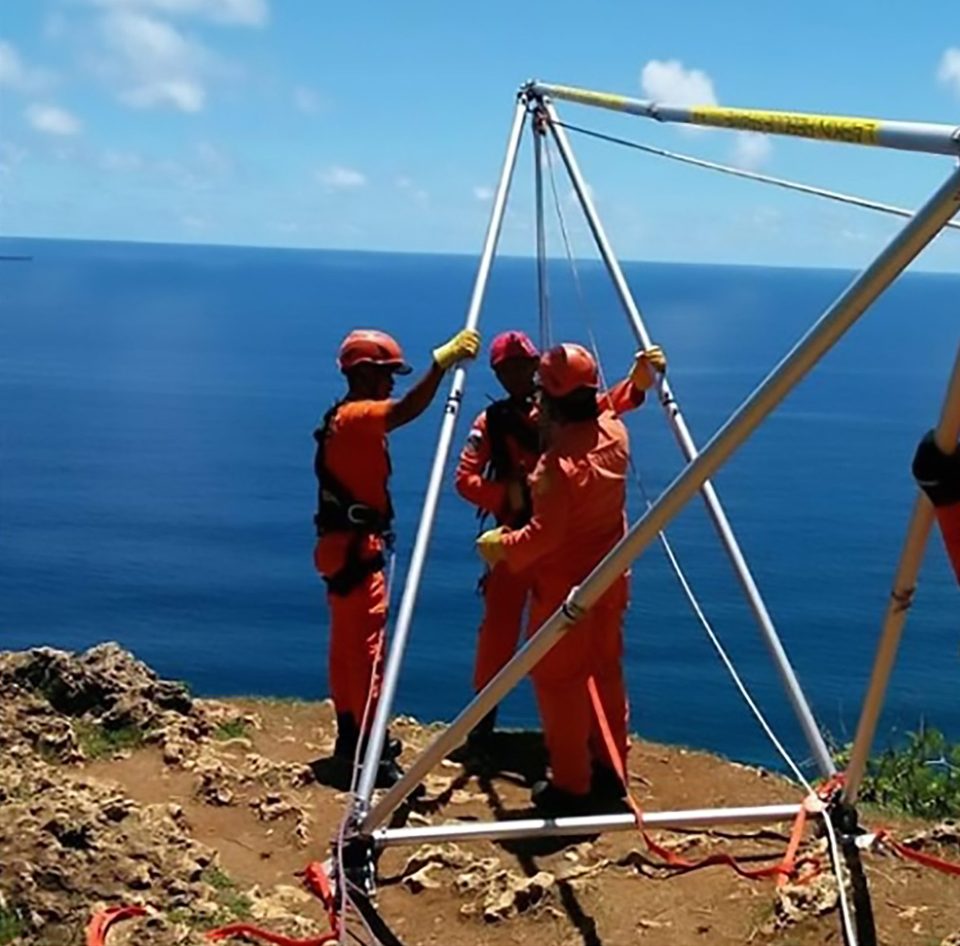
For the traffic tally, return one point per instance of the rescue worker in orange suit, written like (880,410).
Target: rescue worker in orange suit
(938,475)
(355,517)
(579,496)
(501,452)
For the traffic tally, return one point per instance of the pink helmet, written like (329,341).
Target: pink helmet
(511,345)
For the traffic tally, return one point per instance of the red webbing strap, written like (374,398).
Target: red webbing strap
(928,860)
(787,867)
(277,939)
(317,881)
(100,923)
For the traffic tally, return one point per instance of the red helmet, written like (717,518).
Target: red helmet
(366,346)
(567,367)
(511,345)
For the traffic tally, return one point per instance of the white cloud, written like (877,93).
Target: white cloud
(213,160)
(948,72)
(751,150)
(112,161)
(669,81)
(231,12)
(183,94)
(307,100)
(16,74)
(153,63)
(483,193)
(52,120)
(341,178)
(10,156)
(409,186)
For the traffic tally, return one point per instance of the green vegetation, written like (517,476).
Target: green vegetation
(920,777)
(11,924)
(97,742)
(232,729)
(231,904)
(234,905)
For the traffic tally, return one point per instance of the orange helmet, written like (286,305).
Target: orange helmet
(366,346)
(567,367)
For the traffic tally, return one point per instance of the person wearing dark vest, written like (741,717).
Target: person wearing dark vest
(354,519)
(501,451)
(938,475)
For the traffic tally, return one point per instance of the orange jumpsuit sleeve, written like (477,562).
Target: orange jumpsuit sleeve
(545,531)
(471,484)
(622,397)
(370,417)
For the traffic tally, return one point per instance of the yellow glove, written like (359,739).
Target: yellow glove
(647,362)
(490,546)
(463,345)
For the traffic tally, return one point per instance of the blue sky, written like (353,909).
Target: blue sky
(382,125)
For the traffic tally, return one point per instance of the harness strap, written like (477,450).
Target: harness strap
(506,421)
(338,510)
(355,572)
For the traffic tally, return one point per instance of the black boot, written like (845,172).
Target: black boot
(348,733)
(482,734)
(554,802)
(605,784)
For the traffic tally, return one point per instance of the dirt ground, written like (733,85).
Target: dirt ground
(255,793)
(610,898)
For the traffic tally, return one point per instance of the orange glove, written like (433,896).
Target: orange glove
(647,362)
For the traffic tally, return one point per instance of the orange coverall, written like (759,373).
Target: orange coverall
(579,497)
(505,593)
(356,454)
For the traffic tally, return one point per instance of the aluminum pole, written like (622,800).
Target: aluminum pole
(412,586)
(904,586)
(850,305)
(542,299)
(932,137)
(678,425)
(567,827)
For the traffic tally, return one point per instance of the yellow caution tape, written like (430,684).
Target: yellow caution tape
(589,97)
(862,131)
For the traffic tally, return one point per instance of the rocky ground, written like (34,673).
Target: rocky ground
(120,788)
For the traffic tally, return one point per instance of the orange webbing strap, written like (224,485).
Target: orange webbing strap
(928,860)
(787,868)
(100,923)
(317,881)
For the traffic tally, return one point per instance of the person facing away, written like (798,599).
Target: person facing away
(578,515)
(354,519)
(501,452)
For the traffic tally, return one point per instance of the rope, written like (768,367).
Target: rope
(838,196)
(543,288)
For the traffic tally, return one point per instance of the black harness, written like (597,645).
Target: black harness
(507,420)
(339,511)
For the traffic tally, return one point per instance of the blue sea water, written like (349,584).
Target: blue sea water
(156,488)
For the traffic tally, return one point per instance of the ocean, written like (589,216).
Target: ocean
(156,485)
